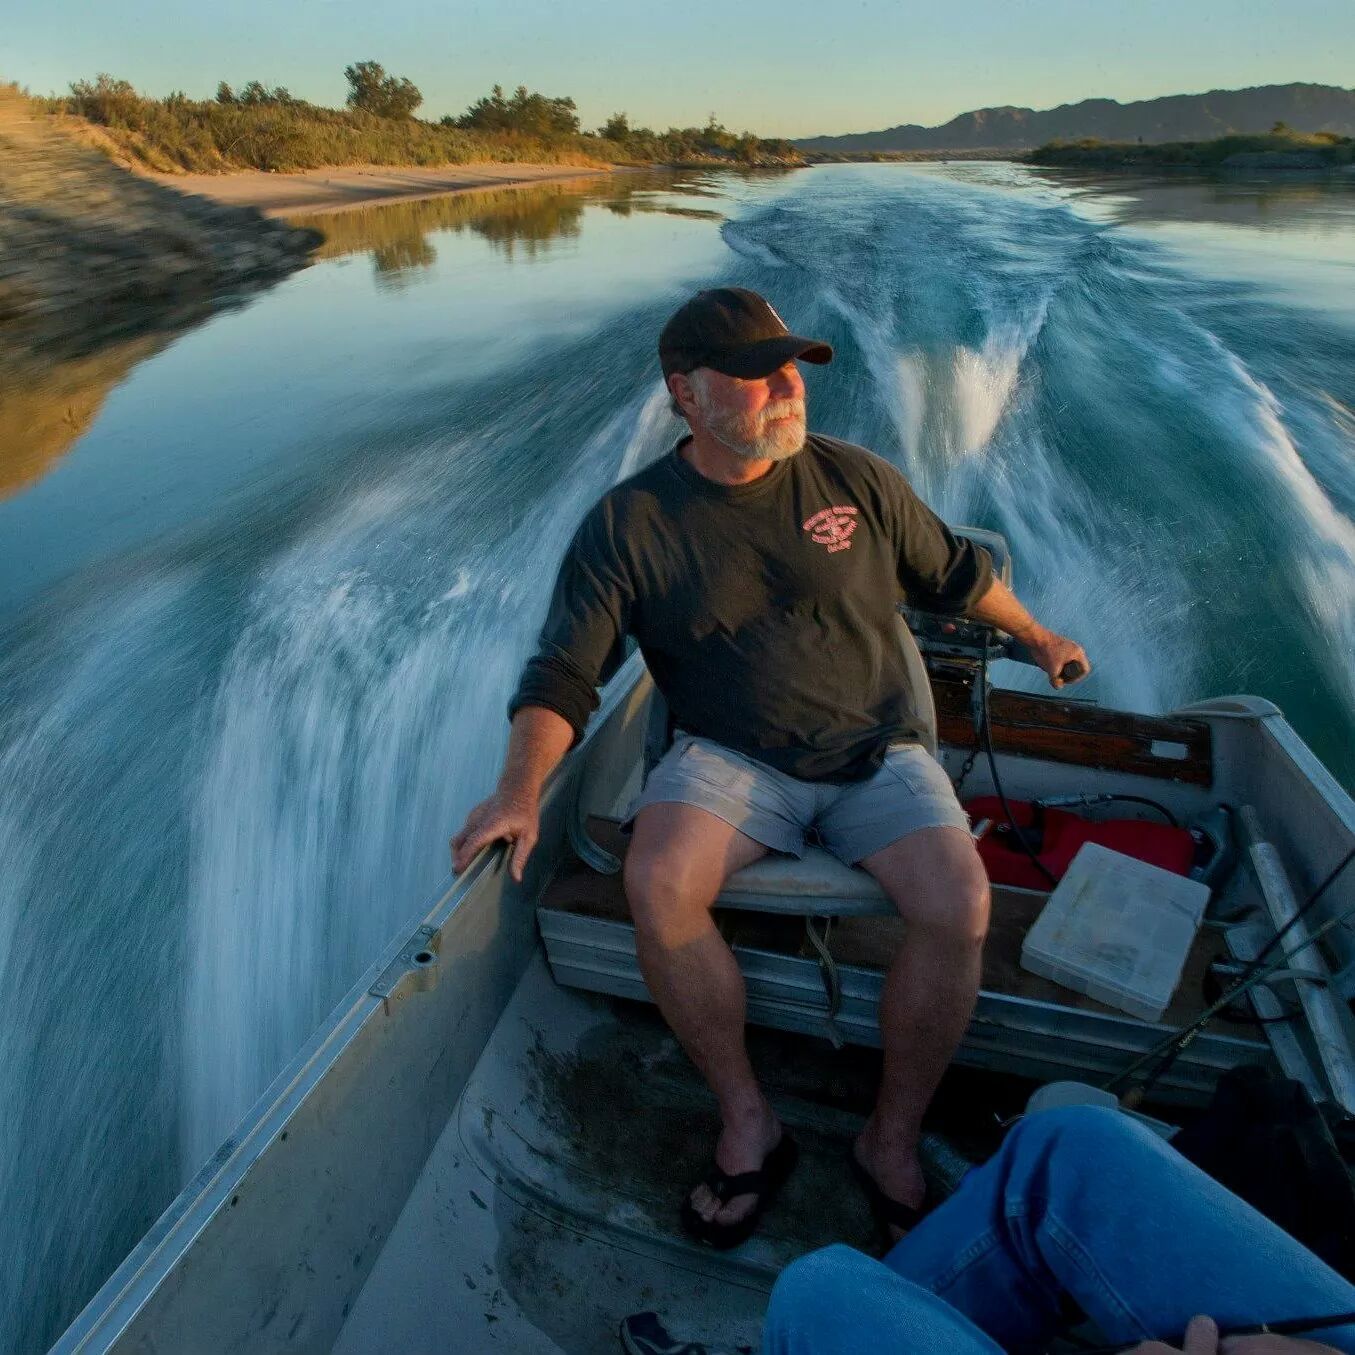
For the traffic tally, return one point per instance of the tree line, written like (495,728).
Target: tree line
(1281,147)
(258,126)
(525,113)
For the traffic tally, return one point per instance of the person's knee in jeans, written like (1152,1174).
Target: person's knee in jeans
(812,1284)
(1079,1144)
(1078,1131)
(838,1301)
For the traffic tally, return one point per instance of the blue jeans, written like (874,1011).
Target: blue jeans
(1082,1203)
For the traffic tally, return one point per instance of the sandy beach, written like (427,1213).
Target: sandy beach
(334,190)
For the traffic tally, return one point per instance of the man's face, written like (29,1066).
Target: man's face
(761,418)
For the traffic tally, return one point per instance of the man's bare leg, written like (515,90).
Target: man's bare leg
(678,859)
(937,882)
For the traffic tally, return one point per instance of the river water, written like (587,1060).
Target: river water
(258,621)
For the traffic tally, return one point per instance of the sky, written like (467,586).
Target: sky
(777,67)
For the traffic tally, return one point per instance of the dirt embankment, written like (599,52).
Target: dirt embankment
(91,251)
(98,267)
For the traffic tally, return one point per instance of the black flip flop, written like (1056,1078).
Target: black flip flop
(764,1183)
(885,1210)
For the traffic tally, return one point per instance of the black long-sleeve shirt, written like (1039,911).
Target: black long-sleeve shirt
(766,612)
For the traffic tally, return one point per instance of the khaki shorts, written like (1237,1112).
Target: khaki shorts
(910,791)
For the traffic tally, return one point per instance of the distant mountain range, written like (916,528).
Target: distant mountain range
(1177,117)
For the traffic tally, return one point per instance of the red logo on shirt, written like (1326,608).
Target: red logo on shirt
(833,527)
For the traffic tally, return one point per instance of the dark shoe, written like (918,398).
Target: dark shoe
(644,1334)
(885,1210)
(764,1183)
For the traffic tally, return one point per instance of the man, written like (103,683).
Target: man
(760,571)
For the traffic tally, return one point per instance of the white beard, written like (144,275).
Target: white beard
(776,433)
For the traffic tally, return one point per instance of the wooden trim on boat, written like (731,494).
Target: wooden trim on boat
(1055,729)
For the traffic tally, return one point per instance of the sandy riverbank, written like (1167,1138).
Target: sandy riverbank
(316,191)
(100,268)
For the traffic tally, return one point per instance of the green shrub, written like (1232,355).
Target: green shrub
(526,113)
(106,100)
(371,90)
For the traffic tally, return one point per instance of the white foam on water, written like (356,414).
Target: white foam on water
(1324,539)
(344,746)
(910,405)
(639,433)
(741,243)
(1123,604)
(460,588)
(984,384)
(83,990)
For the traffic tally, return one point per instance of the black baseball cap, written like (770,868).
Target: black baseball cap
(736,332)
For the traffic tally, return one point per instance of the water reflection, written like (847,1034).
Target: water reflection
(46,407)
(1319,205)
(522,223)
(692,213)
(47,404)
(397,234)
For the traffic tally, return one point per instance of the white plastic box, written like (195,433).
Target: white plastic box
(1118,930)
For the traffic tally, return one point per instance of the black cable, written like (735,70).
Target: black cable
(986,736)
(1144,800)
(1086,801)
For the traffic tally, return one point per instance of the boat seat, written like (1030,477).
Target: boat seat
(817,884)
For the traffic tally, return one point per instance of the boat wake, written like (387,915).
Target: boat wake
(1171,477)
(353,728)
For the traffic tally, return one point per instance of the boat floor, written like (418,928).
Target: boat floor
(548,1209)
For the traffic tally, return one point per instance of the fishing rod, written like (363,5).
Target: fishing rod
(1170,1049)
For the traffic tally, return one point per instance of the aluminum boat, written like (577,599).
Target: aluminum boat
(484,1146)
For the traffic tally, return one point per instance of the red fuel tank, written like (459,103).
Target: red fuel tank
(1055,835)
